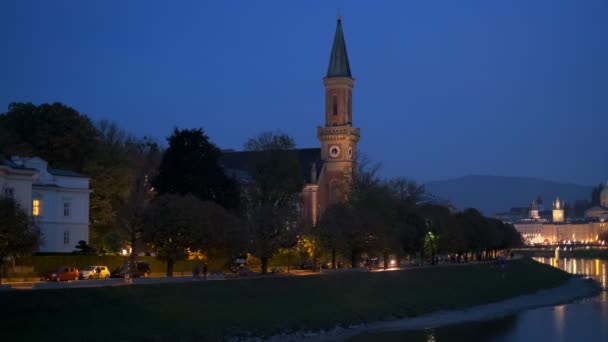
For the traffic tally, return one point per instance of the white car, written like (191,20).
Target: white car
(94,272)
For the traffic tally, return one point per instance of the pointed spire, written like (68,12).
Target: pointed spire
(338,62)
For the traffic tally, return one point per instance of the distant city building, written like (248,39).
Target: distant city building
(534,215)
(58,200)
(327,170)
(558,211)
(601,212)
(538,230)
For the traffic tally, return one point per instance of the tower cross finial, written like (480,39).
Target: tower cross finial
(339,15)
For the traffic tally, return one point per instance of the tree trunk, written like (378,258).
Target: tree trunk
(422,256)
(385,257)
(333,258)
(132,256)
(264,264)
(170,263)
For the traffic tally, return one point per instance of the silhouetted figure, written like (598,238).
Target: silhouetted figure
(205,271)
(196,272)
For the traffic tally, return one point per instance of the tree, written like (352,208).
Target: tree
(84,248)
(144,157)
(336,222)
(191,165)
(19,235)
(406,190)
(220,235)
(171,226)
(271,199)
(55,132)
(110,170)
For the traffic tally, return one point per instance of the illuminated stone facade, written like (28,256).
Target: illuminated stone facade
(537,230)
(551,233)
(338,138)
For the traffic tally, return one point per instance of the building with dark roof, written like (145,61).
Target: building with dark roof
(327,170)
(57,200)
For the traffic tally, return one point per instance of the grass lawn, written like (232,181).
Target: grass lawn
(210,310)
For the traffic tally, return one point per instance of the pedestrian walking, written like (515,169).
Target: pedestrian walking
(205,271)
(196,272)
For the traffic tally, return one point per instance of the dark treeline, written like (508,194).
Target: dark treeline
(178,202)
(383,218)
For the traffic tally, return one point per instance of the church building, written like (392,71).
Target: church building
(328,169)
(338,137)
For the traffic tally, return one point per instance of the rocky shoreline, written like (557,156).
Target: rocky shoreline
(575,288)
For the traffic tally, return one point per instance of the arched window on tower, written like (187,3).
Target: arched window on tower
(350,106)
(334,104)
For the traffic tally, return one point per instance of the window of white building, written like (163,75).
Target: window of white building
(8,192)
(66,237)
(66,209)
(36,207)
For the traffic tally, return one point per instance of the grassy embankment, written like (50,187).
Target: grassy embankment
(210,310)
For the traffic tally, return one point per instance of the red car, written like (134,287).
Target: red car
(63,273)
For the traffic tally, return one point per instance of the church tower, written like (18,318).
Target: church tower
(534,211)
(338,138)
(558,211)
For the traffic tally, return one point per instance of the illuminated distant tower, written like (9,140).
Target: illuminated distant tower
(558,211)
(534,211)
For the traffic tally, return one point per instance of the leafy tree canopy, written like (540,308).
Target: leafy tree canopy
(191,164)
(54,132)
(272,197)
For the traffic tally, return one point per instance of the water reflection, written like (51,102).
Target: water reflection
(479,331)
(579,321)
(593,268)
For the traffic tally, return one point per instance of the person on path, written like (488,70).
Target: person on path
(205,271)
(196,272)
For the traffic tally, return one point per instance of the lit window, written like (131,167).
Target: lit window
(36,207)
(66,237)
(66,209)
(334,104)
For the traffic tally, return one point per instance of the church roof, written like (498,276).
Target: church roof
(338,62)
(240,164)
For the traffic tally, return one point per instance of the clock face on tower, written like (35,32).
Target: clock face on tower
(334,151)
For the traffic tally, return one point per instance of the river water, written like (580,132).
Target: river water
(585,320)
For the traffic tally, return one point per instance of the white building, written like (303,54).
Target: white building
(57,199)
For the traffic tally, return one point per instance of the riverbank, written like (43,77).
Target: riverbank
(580,253)
(264,307)
(575,288)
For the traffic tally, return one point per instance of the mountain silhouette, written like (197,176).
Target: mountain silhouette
(493,194)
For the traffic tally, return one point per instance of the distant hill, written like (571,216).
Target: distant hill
(493,194)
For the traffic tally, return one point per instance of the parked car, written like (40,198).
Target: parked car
(139,269)
(94,272)
(63,273)
(239,264)
(306,265)
(371,262)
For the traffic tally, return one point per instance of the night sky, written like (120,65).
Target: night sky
(443,88)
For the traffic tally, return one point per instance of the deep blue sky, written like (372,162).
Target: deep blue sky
(443,88)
